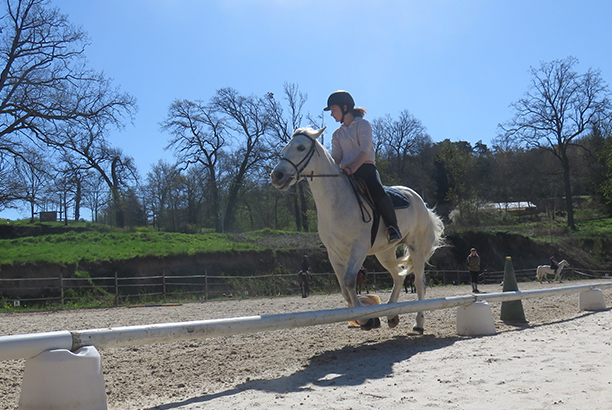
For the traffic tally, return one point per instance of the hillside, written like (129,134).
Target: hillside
(266,251)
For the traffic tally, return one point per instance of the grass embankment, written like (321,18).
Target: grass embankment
(99,245)
(591,241)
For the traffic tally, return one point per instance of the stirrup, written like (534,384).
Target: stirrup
(393,234)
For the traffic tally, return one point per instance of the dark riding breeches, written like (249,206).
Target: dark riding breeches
(371,177)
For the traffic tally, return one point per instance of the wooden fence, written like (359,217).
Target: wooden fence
(121,290)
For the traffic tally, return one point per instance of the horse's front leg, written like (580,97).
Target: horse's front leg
(350,284)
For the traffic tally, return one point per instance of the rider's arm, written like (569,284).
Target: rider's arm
(351,167)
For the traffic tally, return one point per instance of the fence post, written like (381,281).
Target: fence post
(61,280)
(164,282)
(116,290)
(205,284)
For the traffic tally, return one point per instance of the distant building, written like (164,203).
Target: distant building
(50,216)
(512,206)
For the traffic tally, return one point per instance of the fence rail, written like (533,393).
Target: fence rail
(116,290)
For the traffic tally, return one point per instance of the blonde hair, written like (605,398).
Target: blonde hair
(358,111)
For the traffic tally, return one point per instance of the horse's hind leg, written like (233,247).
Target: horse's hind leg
(419,283)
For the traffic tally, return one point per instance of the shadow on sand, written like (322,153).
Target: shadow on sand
(349,366)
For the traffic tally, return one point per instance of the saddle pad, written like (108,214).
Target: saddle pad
(399,200)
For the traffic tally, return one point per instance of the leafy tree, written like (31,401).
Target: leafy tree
(606,156)
(560,106)
(454,163)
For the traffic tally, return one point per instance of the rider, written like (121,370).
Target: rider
(553,264)
(305,265)
(353,151)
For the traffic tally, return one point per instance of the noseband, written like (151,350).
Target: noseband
(301,166)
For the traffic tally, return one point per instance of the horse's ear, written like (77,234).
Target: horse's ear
(320,132)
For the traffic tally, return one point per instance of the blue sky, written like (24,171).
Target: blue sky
(454,65)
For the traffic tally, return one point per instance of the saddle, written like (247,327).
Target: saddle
(362,193)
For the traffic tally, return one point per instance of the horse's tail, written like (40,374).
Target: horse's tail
(432,240)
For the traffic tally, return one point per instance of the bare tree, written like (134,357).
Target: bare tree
(95,192)
(44,80)
(165,192)
(400,139)
(84,141)
(199,137)
(280,128)
(34,174)
(245,116)
(560,106)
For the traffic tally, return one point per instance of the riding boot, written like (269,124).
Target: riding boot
(387,211)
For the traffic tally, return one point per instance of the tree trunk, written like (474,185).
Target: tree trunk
(569,208)
(296,210)
(304,207)
(77,201)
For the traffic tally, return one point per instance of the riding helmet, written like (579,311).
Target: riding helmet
(340,98)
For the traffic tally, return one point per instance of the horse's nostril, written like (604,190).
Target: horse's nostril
(278,175)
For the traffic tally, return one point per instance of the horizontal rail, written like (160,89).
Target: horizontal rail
(30,345)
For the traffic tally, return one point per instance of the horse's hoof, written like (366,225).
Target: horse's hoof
(418,330)
(373,323)
(394,321)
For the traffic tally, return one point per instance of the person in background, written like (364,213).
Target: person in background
(304,277)
(553,264)
(473,264)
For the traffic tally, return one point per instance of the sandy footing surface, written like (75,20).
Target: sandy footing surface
(560,360)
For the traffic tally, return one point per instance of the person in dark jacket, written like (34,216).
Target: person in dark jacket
(473,264)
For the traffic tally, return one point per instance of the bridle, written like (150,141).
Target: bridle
(301,166)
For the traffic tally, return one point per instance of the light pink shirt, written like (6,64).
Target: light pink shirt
(348,142)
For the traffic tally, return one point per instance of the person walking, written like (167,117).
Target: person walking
(473,264)
(353,151)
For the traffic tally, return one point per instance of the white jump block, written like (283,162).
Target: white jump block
(475,319)
(592,300)
(60,379)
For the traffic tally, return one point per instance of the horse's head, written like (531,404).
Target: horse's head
(295,157)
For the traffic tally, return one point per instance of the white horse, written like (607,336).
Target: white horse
(344,233)
(544,270)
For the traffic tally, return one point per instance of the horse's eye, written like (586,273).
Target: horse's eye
(301,148)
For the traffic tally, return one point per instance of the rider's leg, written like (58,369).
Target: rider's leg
(387,211)
(382,201)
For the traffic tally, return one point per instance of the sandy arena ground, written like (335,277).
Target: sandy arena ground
(560,360)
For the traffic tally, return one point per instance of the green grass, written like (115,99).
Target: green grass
(94,246)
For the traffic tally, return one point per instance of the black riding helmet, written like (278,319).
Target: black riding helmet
(340,98)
